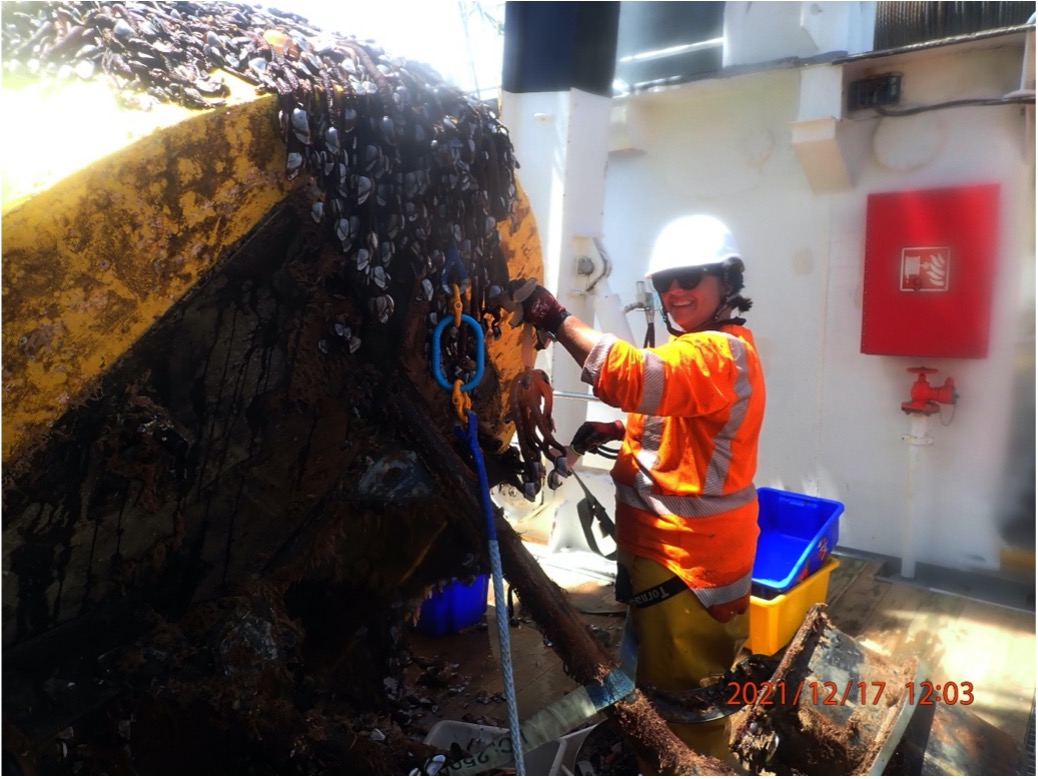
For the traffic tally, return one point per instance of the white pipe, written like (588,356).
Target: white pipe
(574,395)
(917,439)
(609,310)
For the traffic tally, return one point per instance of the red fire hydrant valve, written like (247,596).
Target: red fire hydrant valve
(927,399)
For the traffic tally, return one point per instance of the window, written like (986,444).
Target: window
(659,42)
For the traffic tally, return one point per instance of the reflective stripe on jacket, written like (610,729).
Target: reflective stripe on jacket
(684,476)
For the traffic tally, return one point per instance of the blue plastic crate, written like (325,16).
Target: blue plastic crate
(797,534)
(457,606)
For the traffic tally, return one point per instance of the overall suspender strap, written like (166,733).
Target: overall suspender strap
(661,592)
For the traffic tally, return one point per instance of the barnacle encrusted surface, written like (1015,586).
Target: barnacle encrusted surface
(408,176)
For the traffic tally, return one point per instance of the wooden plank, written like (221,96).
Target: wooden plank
(933,631)
(883,613)
(957,640)
(477,682)
(952,741)
(844,576)
(994,650)
(853,608)
(907,622)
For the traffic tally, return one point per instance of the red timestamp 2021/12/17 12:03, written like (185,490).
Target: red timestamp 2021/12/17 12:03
(861,693)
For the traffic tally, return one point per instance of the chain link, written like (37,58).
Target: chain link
(461,400)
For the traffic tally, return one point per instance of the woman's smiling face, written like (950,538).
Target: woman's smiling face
(691,308)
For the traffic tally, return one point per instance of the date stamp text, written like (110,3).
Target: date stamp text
(852,692)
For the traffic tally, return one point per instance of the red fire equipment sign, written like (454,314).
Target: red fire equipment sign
(930,259)
(925,268)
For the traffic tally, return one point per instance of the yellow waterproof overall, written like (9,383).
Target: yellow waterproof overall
(681,647)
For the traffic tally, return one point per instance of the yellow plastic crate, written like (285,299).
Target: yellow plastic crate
(774,622)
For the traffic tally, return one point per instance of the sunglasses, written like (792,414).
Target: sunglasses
(687,278)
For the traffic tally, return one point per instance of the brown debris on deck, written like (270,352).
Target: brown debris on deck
(833,707)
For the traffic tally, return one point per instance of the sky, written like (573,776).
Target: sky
(453,36)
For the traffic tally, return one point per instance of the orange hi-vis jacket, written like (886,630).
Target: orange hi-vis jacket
(684,476)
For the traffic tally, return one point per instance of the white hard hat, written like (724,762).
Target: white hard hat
(691,242)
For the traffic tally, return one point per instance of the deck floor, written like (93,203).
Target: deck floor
(956,639)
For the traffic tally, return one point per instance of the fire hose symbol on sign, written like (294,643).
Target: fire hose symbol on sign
(925,268)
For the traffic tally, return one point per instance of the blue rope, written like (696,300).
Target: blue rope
(499,596)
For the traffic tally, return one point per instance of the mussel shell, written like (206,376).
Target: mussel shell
(342,230)
(123,30)
(331,141)
(381,307)
(301,125)
(350,117)
(363,189)
(379,277)
(85,69)
(293,164)
(388,129)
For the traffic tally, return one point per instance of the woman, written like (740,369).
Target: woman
(686,505)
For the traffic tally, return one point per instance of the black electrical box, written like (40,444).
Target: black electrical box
(874,91)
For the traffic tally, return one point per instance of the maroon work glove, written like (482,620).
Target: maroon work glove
(591,435)
(540,308)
